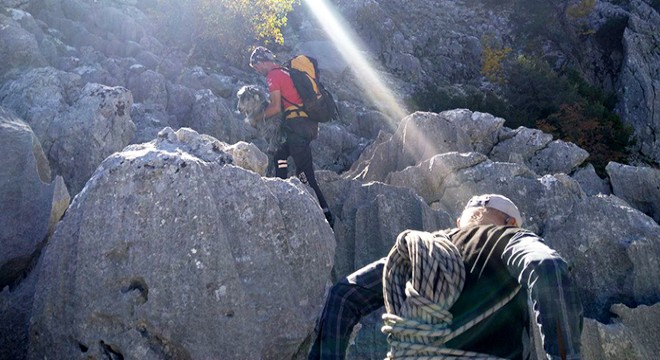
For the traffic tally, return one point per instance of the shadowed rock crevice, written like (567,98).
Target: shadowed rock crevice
(17,269)
(111,352)
(137,284)
(161,345)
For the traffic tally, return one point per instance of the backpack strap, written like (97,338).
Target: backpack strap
(293,110)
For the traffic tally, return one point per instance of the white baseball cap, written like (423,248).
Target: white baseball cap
(497,202)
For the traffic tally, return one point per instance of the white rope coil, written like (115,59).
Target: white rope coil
(422,279)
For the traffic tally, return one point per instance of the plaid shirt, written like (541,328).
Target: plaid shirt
(556,302)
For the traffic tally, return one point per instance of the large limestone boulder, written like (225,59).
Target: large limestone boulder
(368,218)
(248,156)
(212,115)
(39,95)
(336,148)
(482,128)
(639,186)
(172,251)
(96,125)
(77,126)
(632,334)
(26,194)
(558,157)
(149,87)
(613,250)
(18,48)
(519,145)
(32,205)
(448,180)
(591,183)
(428,178)
(419,136)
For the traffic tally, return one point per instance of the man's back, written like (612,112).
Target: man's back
(487,281)
(279,80)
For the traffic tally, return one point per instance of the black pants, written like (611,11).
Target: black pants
(299,133)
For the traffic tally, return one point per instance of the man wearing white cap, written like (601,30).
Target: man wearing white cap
(498,257)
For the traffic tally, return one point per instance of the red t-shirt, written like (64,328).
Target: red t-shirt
(279,79)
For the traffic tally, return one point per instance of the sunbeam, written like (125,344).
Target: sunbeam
(345,42)
(379,93)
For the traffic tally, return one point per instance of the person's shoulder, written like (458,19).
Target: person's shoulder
(278,72)
(484,233)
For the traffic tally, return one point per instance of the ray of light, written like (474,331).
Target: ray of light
(347,44)
(415,142)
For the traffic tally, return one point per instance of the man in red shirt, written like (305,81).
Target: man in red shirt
(298,128)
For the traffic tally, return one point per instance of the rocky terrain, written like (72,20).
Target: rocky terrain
(140,218)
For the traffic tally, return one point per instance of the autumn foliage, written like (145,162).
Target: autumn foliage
(604,137)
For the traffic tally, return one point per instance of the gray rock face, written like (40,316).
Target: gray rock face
(448,180)
(39,95)
(639,186)
(519,145)
(15,3)
(364,124)
(329,58)
(482,128)
(26,194)
(15,310)
(149,87)
(614,252)
(428,178)
(96,125)
(590,182)
(411,39)
(212,115)
(112,20)
(558,157)
(418,137)
(630,336)
(18,48)
(336,149)
(249,157)
(171,251)
(368,217)
(640,103)
(197,79)
(31,207)
(149,120)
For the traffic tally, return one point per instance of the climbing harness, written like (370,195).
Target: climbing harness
(422,279)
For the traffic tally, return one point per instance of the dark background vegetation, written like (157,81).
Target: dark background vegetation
(536,88)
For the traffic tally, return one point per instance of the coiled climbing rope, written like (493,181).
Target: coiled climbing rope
(423,277)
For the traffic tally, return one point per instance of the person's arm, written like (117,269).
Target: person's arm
(557,306)
(275,105)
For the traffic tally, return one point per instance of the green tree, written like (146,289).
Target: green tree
(534,91)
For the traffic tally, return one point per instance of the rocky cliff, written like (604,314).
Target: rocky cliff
(179,245)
